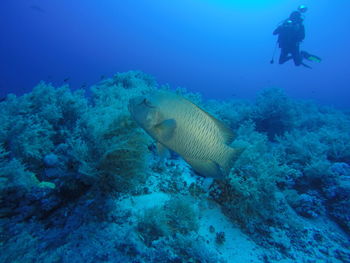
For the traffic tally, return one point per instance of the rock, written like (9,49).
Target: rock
(51,160)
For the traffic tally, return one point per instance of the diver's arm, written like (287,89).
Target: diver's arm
(277,30)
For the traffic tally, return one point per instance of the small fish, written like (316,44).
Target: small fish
(66,79)
(2,99)
(181,126)
(37,8)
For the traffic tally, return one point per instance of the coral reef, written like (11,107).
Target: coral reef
(177,215)
(80,181)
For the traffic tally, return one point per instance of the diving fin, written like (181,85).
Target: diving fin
(310,57)
(315,59)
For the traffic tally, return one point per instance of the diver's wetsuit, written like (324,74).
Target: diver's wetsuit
(290,34)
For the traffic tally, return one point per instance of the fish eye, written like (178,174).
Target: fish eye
(142,102)
(147,103)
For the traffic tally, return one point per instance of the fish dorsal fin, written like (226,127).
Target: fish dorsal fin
(206,168)
(166,129)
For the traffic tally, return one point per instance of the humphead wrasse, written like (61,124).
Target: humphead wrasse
(181,126)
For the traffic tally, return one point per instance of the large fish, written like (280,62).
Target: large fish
(178,124)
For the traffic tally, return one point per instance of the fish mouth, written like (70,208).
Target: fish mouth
(134,102)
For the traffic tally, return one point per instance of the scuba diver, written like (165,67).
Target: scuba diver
(290,34)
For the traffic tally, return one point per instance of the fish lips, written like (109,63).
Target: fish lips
(133,102)
(138,109)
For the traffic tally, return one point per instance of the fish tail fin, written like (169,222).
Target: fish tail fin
(231,157)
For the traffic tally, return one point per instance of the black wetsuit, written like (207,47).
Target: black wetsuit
(290,34)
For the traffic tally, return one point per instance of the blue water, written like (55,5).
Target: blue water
(259,163)
(219,48)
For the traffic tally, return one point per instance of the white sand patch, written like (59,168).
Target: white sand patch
(237,246)
(141,203)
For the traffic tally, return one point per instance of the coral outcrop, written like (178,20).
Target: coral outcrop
(80,181)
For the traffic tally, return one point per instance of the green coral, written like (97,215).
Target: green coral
(107,146)
(13,174)
(35,122)
(178,215)
(288,145)
(252,181)
(273,112)
(16,181)
(95,139)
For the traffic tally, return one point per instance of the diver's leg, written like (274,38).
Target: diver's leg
(284,56)
(304,54)
(298,57)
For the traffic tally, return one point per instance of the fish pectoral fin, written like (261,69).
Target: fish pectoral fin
(162,151)
(206,168)
(166,129)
